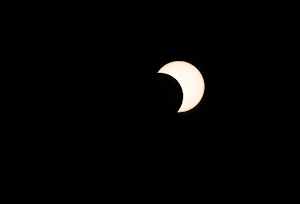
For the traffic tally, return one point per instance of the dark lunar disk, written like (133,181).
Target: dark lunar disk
(166,95)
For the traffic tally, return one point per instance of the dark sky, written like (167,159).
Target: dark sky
(116,86)
(109,69)
(115,112)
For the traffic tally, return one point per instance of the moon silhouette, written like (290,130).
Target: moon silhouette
(190,80)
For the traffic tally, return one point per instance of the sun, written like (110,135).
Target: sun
(190,80)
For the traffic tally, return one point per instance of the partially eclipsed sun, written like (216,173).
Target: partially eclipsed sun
(190,80)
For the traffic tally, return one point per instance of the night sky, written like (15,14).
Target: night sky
(110,71)
(110,111)
(116,87)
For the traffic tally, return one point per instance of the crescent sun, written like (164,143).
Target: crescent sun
(190,80)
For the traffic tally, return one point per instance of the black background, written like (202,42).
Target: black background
(109,109)
(111,90)
(116,76)
(109,73)
(95,116)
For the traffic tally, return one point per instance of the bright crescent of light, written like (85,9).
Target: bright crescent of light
(191,82)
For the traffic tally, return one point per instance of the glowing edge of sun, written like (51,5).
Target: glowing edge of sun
(190,80)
